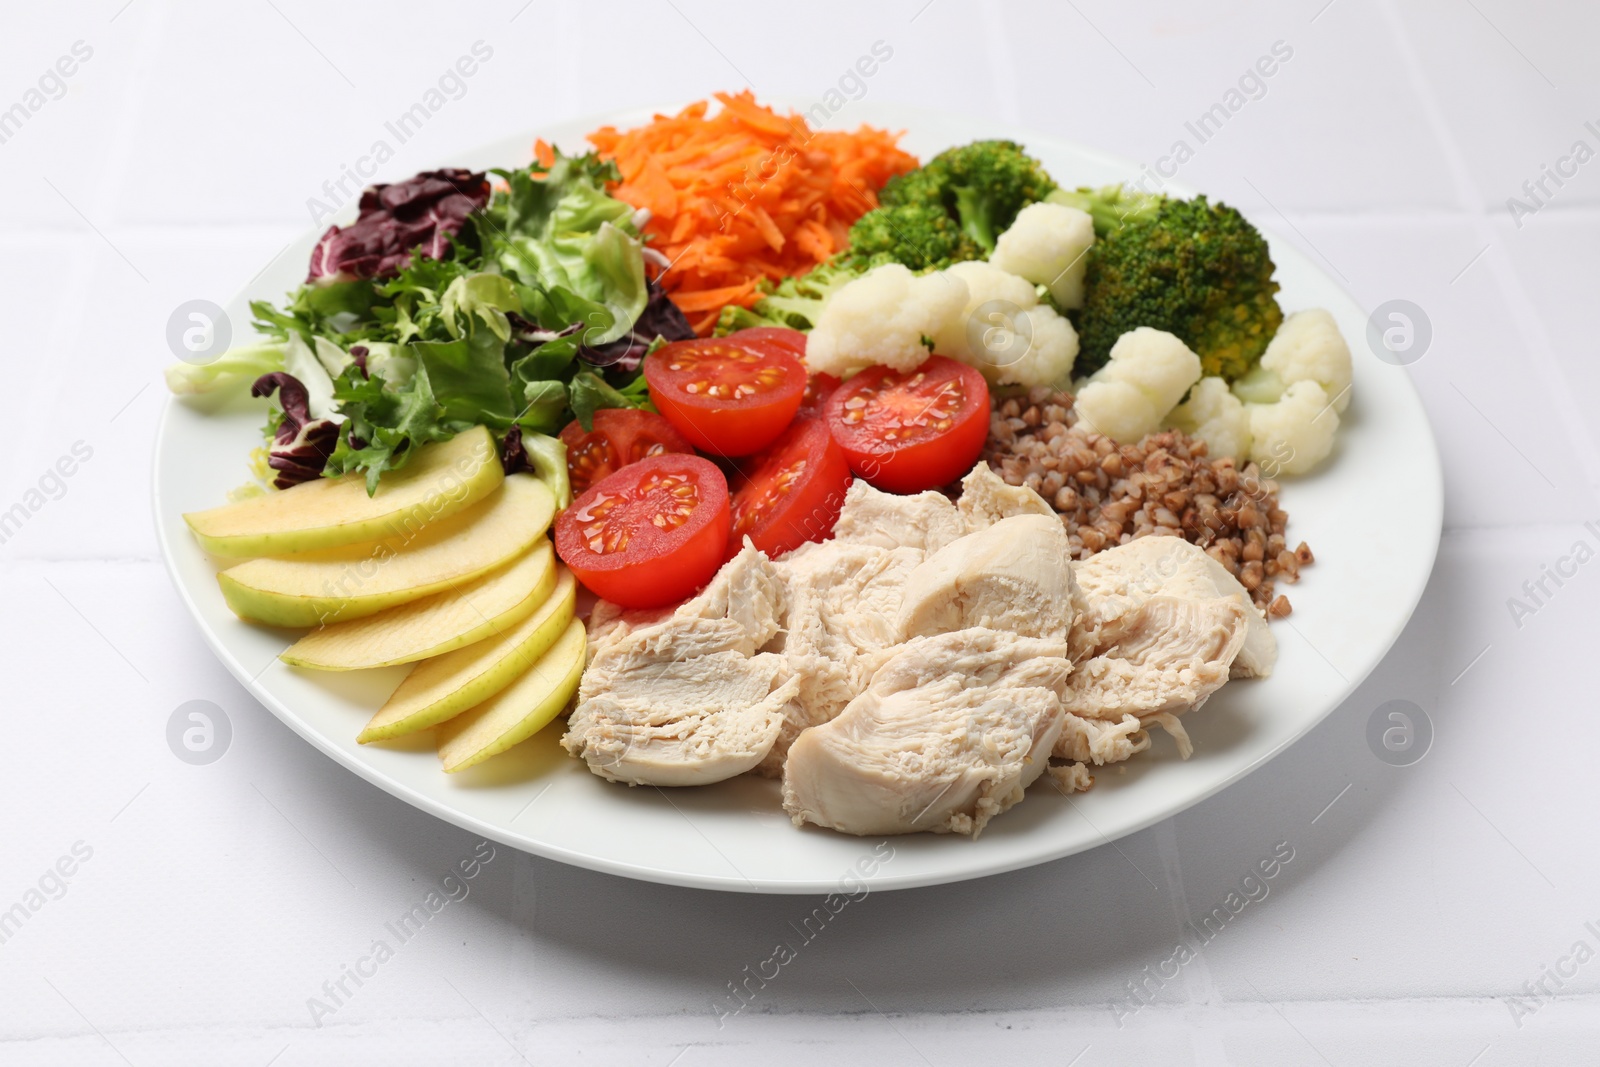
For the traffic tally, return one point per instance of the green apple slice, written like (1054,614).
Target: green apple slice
(435,624)
(442,688)
(441,480)
(316,588)
(520,710)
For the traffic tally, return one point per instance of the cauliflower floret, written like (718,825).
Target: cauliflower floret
(1005,332)
(1048,357)
(1296,433)
(1048,244)
(1147,374)
(882,317)
(1215,416)
(1307,348)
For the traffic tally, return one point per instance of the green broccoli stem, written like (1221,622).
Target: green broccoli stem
(976,214)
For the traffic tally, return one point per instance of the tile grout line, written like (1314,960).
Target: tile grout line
(1524,315)
(37,415)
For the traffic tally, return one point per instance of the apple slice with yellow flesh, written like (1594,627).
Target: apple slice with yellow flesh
(521,709)
(440,480)
(435,624)
(316,588)
(443,687)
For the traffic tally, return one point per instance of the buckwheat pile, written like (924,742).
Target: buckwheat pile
(1109,494)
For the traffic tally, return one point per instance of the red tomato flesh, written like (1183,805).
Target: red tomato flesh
(727,396)
(649,535)
(779,337)
(906,431)
(792,492)
(819,387)
(620,436)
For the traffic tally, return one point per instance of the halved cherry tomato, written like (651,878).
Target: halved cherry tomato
(819,387)
(725,395)
(620,436)
(905,431)
(650,534)
(792,492)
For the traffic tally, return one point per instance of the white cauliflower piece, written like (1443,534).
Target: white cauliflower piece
(1147,374)
(1048,244)
(1050,354)
(1215,416)
(1005,332)
(882,317)
(1294,434)
(1308,347)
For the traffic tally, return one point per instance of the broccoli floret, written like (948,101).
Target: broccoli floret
(952,208)
(1192,268)
(1110,205)
(795,302)
(920,235)
(984,184)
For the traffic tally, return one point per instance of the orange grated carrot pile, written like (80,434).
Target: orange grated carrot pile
(745,194)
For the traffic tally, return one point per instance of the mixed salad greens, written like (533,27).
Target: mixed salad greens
(446,306)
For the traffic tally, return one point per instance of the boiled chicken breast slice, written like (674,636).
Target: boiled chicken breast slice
(683,697)
(1167,655)
(950,733)
(1101,741)
(841,600)
(746,589)
(678,703)
(1015,574)
(924,521)
(1120,578)
(986,498)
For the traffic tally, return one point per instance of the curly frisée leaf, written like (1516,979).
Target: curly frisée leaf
(384,427)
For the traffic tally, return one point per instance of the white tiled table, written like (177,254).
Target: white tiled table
(215,900)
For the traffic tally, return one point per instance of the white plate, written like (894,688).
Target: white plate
(1349,608)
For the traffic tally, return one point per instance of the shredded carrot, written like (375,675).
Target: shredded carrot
(745,195)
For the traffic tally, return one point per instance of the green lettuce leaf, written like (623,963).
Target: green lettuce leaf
(469,378)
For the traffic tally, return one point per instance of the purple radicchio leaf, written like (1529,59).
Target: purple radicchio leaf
(421,213)
(513,457)
(301,446)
